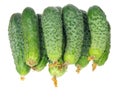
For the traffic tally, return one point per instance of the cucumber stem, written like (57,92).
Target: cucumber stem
(94,65)
(78,69)
(22,78)
(55,81)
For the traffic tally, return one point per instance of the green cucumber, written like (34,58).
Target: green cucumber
(59,68)
(44,59)
(74,28)
(31,37)
(52,31)
(99,31)
(53,36)
(17,44)
(101,61)
(83,60)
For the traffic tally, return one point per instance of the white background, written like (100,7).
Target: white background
(103,82)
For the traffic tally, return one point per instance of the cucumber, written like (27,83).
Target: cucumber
(83,60)
(44,59)
(99,32)
(59,68)
(31,37)
(101,61)
(52,21)
(52,31)
(17,44)
(74,28)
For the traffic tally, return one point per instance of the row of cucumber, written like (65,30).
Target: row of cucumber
(59,36)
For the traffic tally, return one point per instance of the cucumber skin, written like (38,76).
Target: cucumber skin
(83,60)
(31,37)
(52,31)
(44,59)
(17,44)
(99,31)
(73,24)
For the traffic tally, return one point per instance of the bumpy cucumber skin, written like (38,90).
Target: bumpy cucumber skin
(44,59)
(52,31)
(17,44)
(74,28)
(101,61)
(99,31)
(83,60)
(59,69)
(31,37)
